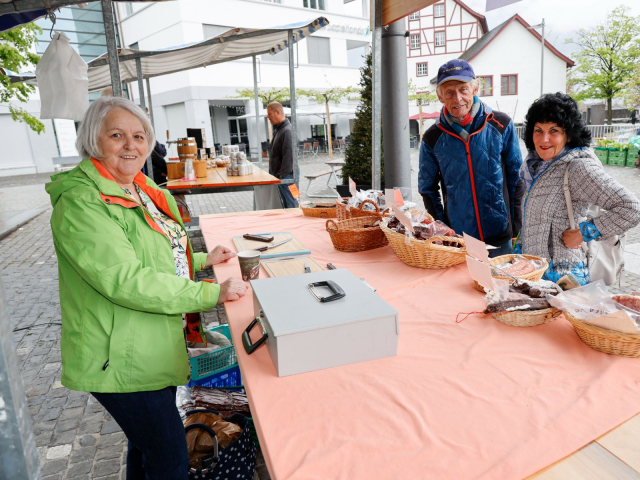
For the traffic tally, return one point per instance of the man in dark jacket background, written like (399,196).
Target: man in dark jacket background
(473,155)
(281,151)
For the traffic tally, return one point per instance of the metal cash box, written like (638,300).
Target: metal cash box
(305,329)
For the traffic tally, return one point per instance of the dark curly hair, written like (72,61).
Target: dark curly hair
(562,110)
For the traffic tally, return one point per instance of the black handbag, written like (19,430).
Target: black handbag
(237,460)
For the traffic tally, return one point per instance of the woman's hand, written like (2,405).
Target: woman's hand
(218,255)
(231,289)
(572,238)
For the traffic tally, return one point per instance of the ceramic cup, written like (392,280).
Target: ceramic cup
(249,264)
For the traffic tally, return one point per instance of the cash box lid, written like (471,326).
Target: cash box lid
(290,307)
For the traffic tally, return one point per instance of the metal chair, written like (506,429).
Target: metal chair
(315,148)
(306,149)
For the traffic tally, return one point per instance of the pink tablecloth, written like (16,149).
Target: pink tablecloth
(475,400)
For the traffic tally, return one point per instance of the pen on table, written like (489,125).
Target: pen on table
(330,266)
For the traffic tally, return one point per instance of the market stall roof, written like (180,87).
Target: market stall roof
(233,44)
(14,13)
(424,115)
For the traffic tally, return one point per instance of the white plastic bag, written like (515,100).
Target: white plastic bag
(63,81)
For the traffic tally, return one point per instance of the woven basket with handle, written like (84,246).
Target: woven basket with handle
(606,341)
(534,276)
(330,210)
(345,213)
(424,253)
(528,318)
(356,234)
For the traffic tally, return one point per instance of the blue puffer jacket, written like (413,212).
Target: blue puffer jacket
(476,200)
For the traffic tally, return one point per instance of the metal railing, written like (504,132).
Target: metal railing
(615,132)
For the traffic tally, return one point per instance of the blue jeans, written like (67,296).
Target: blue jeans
(151,422)
(285,194)
(503,249)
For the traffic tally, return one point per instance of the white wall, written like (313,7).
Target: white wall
(517,51)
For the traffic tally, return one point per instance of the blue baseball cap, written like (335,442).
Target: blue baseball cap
(455,70)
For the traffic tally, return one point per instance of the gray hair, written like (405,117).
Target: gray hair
(87,141)
(475,84)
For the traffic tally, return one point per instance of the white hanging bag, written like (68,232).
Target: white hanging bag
(63,81)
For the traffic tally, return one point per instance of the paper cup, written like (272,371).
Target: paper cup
(249,264)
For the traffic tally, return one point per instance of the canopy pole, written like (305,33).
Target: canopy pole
(112,48)
(257,104)
(294,118)
(140,82)
(150,104)
(376,84)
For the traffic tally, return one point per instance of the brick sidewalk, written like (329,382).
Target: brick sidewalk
(75,437)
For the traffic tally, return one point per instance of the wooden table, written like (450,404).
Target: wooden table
(333,164)
(217,181)
(391,419)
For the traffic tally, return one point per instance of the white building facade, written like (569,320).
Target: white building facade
(203,98)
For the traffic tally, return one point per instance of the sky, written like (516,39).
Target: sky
(562,17)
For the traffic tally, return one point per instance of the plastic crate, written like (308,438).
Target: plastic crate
(602,153)
(228,377)
(617,157)
(632,156)
(210,363)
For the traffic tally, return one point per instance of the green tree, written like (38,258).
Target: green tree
(630,95)
(608,55)
(15,55)
(358,155)
(334,94)
(422,98)
(266,96)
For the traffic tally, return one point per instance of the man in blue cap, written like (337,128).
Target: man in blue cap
(472,156)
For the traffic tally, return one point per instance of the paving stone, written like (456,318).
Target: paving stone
(90,428)
(60,438)
(87,440)
(57,402)
(109,452)
(82,454)
(111,439)
(75,402)
(93,407)
(48,414)
(43,439)
(58,452)
(54,466)
(106,467)
(71,413)
(40,427)
(110,427)
(69,424)
(79,469)
(57,476)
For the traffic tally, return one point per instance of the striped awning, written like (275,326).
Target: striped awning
(233,44)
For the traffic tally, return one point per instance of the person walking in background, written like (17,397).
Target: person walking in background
(558,141)
(281,151)
(473,155)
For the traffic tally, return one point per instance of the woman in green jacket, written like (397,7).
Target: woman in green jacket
(126,271)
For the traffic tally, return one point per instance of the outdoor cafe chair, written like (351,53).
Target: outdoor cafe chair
(316,147)
(306,149)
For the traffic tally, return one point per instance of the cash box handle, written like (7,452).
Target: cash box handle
(246,339)
(333,286)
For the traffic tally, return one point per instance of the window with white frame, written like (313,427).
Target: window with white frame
(319,51)
(316,4)
(438,10)
(422,70)
(439,39)
(414,16)
(415,41)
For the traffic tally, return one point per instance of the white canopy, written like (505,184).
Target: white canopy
(231,45)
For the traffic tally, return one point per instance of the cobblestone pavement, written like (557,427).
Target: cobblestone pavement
(75,436)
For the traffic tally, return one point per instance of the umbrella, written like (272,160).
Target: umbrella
(635,141)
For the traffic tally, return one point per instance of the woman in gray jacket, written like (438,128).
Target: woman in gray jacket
(557,139)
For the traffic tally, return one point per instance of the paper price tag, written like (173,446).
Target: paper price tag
(389,197)
(398,197)
(480,272)
(352,187)
(406,221)
(476,248)
(294,190)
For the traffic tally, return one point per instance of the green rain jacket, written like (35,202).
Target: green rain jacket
(121,300)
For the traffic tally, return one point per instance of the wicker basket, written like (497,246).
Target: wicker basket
(534,276)
(344,213)
(423,253)
(607,341)
(351,236)
(329,212)
(528,318)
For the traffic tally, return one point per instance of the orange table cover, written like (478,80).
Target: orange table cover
(470,400)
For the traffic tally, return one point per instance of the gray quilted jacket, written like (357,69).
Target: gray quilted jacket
(545,208)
